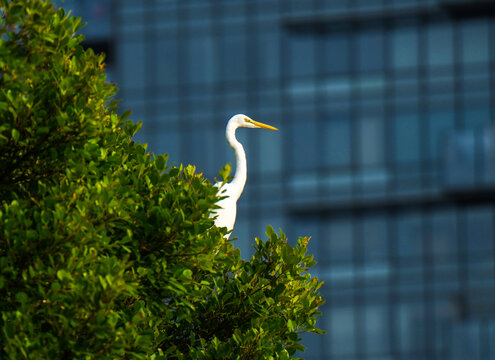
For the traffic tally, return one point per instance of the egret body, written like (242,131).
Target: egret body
(226,213)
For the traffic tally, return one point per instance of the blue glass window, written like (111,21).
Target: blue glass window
(409,235)
(370,50)
(406,137)
(201,60)
(443,238)
(480,230)
(234,57)
(488,146)
(335,5)
(234,12)
(302,55)
(338,244)
(233,103)
(467,341)
(166,142)
(375,243)
(336,53)
(304,150)
(440,123)
(131,55)
(166,111)
(313,343)
(475,45)
(477,117)
(369,4)
(440,45)
(371,139)
(460,160)
(376,330)
(204,150)
(270,151)
(200,109)
(268,55)
(337,140)
(399,3)
(411,325)
(166,62)
(405,48)
(342,331)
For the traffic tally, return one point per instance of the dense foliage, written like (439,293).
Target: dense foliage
(106,251)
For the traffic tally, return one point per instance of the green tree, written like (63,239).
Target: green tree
(106,251)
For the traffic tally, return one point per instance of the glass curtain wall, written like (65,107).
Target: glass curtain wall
(385,153)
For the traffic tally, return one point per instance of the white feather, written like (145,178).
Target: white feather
(226,213)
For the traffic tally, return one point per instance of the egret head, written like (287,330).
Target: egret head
(242,120)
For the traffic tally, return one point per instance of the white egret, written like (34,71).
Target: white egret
(226,213)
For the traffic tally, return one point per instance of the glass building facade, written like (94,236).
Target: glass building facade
(385,154)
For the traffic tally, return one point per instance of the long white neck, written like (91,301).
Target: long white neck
(237,184)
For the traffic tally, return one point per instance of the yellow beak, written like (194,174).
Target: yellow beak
(263,126)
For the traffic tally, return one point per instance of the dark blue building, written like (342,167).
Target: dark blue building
(385,155)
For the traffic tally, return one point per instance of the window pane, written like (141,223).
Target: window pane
(304,151)
(488,169)
(336,53)
(302,55)
(313,343)
(406,138)
(342,331)
(475,44)
(167,142)
(476,117)
(199,107)
(480,230)
(409,235)
(338,245)
(369,4)
(132,56)
(460,159)
(335,4)
(370,51)
(411,327)
(337,143)
(270,151)
(443,240)
(439,124)
(166,62)
(440,45)
(234,58)
(467,341)
(200,60)
(375,239)
(405,48)
(371,140)
(376,328)
(268,55)
(204,149)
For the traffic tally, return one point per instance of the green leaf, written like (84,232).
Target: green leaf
(225,172)
(15,135)
(21,297)
(62,275)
